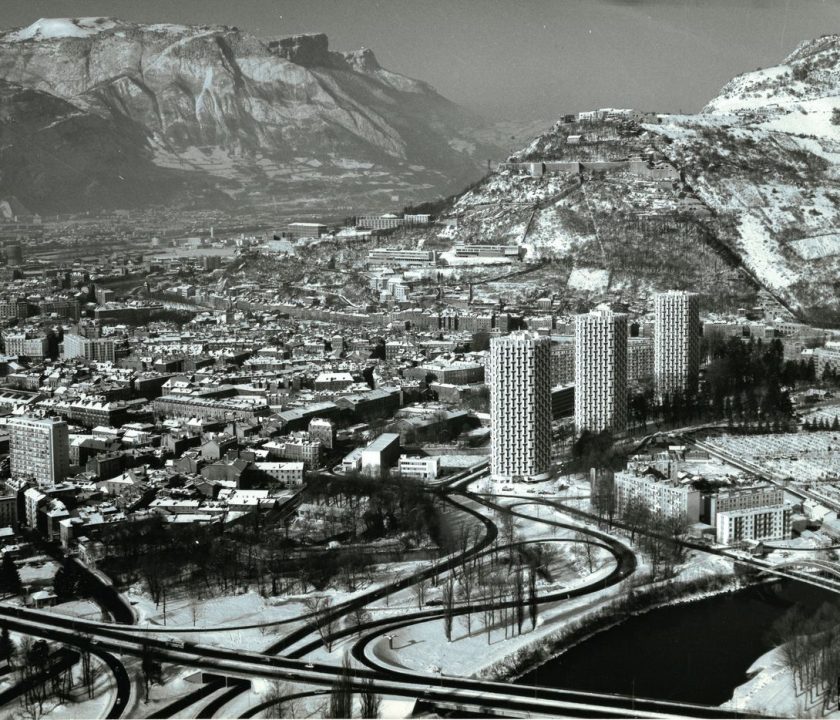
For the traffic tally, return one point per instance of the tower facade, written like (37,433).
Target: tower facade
(39,447)
(676,338)
(520,407)
(601,372)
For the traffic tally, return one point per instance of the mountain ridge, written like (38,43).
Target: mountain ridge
(258,118)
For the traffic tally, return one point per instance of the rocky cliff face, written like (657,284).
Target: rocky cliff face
(259,118)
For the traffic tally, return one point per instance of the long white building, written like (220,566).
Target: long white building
(601,372)
(676,338)
(39,448)
(736,499)
(520,407)
(661,495)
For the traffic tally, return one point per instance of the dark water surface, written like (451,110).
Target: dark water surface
(694,652)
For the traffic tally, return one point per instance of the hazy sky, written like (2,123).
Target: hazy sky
(515,59)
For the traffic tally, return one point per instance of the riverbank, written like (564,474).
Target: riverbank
(701,647)
(639,601)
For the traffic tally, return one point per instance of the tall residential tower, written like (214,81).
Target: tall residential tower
(676,342)
(601,372)
(520,407)
(40,448)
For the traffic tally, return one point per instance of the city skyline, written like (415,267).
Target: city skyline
(320,398)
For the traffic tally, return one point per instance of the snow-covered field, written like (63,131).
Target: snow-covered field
(820,246)
(591,279)
(38,571)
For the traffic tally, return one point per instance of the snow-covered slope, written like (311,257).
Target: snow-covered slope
(53,28)
(266,116)
(765,155)
(746,191)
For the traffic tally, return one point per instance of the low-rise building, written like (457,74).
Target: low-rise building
(298,447)
(289,474)
(397,257)
(419,468)
(514,252)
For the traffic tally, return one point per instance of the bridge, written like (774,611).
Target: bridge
(825,566)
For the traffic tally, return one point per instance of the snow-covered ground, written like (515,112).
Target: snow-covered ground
(770,691)
(80,707)
(591,279)
(57,28)
(38,571)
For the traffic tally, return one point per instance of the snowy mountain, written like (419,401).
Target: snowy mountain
(742,196)
(765,154)
(259,119)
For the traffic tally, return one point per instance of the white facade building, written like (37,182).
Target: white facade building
(39,448)
(759,496)
(676,337)
(520,406)
(26,345)
(32,500)
(662,496)
(601,372)
(419,468)
(97,349)
(761,523)
(378,457)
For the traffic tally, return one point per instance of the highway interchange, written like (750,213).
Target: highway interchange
(286,658)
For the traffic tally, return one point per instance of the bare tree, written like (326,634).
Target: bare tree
(419,590)
(533,604)
(635,514)
(467,583)
(87,664)
(358,617)
(371,701)
(195,608)
(149,667)
(341,694)
(508,527)
(448,605)
(585,548)
(323,618)
(518,599)
(280,706)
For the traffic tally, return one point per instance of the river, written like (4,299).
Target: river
(695,652)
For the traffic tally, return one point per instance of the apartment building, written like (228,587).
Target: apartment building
(676,335)
(660,495)
(601,372)
(758,523)
(40,448)
(84,348)
(520,406)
